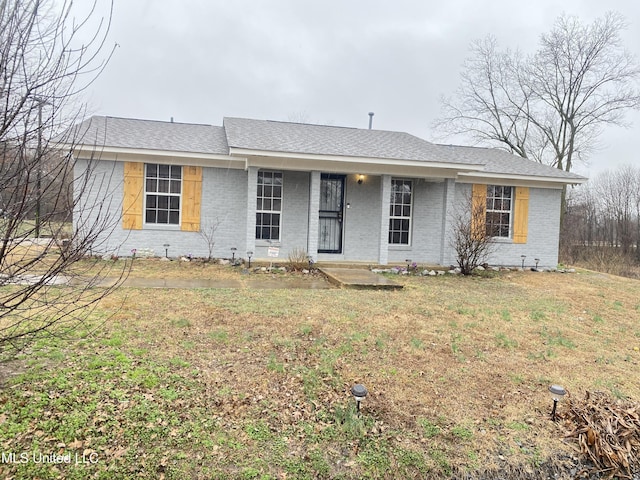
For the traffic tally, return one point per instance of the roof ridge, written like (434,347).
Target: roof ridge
(286,122)
(154,121)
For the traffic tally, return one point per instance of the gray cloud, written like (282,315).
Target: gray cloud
(336,60)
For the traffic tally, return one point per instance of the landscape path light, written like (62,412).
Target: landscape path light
(233,254)
(166,250)
(557,394)
(249,254)
(537,262)
(359,392)
(523,257)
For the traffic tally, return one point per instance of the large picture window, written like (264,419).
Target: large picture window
(499,208)
(163,189)
(269,205)
(400,212)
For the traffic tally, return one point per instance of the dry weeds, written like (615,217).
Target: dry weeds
(457,370)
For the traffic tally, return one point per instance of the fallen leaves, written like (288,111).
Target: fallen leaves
(607,431)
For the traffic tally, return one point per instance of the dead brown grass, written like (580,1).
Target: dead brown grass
(466,354)
(457,368)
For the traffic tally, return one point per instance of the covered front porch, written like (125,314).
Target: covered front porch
(356,217)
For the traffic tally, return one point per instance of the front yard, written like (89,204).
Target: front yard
(255,383)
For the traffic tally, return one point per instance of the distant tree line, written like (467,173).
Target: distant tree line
(603,217)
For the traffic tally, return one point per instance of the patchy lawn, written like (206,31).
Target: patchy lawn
(255,383)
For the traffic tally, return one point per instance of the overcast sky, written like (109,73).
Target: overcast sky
(329,61)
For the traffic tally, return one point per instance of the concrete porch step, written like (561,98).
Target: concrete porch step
(358,278)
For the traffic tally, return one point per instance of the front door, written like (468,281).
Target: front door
(331,210)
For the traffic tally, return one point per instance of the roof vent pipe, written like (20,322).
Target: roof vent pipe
(371,114)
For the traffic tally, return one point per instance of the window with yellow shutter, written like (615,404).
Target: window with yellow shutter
(507,211)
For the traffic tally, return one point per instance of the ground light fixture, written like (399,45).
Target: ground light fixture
(249,254)
(359,392)
(523,257)
(233,254)
(166,250)
(537,262)
(557,394)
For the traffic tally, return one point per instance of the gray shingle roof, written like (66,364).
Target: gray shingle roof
(297,138)
(266,135)
(502,162)
(151,135)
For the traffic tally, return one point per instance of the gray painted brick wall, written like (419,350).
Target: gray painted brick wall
(428,198)
(543,231)
(362,218)
(225,203)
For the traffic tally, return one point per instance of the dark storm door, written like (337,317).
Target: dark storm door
(331,209)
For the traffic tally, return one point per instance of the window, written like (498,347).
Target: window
(400,212)
(269,205)
(162,188)
(499,204)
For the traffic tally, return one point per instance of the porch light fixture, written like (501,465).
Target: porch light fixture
(249,254)
(360,179)
(557,394)
(233,254)
(523,257)
(166,250)
(359,392)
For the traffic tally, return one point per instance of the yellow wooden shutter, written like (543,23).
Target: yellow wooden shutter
(478,210)
(521,215)
(133,191)
(191,198)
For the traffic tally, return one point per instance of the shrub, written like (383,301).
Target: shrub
(298,259)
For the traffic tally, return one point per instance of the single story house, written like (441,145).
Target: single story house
(336,193)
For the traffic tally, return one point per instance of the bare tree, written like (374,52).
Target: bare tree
(603,218)
(469,238)
(48,56)
(208,234)
(550,106)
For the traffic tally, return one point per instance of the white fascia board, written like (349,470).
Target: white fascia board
(119,154)
(518,180)
(350,168)
(311,162)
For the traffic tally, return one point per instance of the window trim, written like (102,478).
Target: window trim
(271,211)
(401,217)
(512,201)
(156,225)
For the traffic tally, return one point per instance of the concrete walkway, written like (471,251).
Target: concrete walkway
(358,278)
(341,277)
(253,283)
